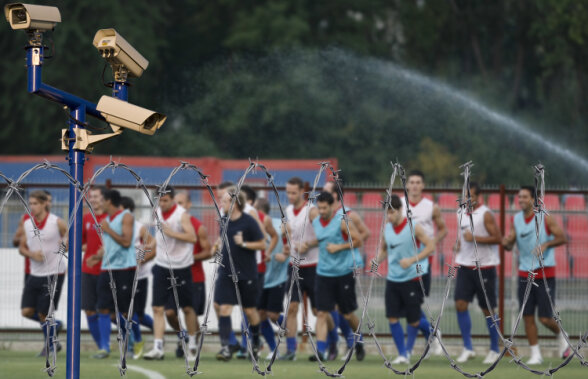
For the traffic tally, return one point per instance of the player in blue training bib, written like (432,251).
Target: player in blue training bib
(550,235)
(404,295)
(335,284)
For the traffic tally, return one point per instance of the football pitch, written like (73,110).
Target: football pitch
(24,364)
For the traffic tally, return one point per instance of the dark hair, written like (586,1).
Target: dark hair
(395,202)
(263,205)
(47,193)
(474,186)
(39,195)
(127,203)
(224,185)
(249,192)
(416,173)
(325,197)
(296,181)
(531,190)
(168,191)
(112,195)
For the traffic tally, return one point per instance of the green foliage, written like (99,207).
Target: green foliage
(298,79)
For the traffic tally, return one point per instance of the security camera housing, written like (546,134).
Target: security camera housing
(120,114)
(31,17)
(118,52)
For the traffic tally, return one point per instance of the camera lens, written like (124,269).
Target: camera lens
(19,16)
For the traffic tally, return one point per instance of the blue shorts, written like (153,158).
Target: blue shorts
(538,298)
(163,294)
(225,294)
(198,297)
(89,292)
(468,285)
(272,299)
(123,279)
(36,293)
(307,283)
(404,299)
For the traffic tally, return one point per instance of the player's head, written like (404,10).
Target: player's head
(475,192)
(112,201)
(183,199)
(166,201)
(526,197)
(263,205)
(332,189)
(250,194)
(222,188)
(415,183)
(127,203)
(295,190)
(38,203)
(394,214)
(49,200)
(96,198)
(324,203)
(228,197)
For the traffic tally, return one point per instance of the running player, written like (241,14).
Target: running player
(403,292)
(335,283)
(468,281)
(364,234)
(244,237)
(117,255)
(271,300)
(551,235)
(202,251)
(428,215)
(300,218)
(174,251)
(91,243)
(45,263)
(143,241)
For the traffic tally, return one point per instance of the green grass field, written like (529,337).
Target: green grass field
(25,365)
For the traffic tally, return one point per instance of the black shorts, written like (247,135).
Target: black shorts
(260,281)
(427,282)
(537,297)
(89,291)
(141,297)
(404,299)
(468,284)
(335,291)
(307,280)
(123,279)
(224,292)
(198,297)
(272,299)
(163,294)
(36,294)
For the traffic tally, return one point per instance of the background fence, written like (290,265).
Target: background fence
(568,207)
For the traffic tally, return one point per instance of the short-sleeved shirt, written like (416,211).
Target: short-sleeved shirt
(244,259)
(92,241)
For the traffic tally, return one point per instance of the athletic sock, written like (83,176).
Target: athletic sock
(254,335)
(321,346)
(535,351)
(158,344)
(145,320)
(268,334)
(465,326)
(346,331)
(105,328)
(224,329)
(243,335)
(291,344)
(411,334)
(280,319)
(398,336)
(192,341)
(493,334)
(35,317)
(94,327)
(333,335)
(425,327)
(232,337)
(136,329)
(123,325)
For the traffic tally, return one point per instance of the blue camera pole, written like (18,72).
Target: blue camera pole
(78,108)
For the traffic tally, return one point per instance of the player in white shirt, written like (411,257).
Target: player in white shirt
(45,262)
(487,236)
(175,251)
(428,215)
(301,234)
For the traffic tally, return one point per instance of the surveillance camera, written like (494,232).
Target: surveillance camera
(118,52)
(31,17)
(120,114)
